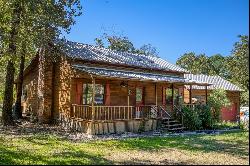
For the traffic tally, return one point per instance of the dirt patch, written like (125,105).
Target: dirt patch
(173,156)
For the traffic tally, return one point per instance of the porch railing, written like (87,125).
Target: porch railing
(118,112)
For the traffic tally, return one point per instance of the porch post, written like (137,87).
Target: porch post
(190,94)
(128,93)
(206,93)
(156,95)
(172,106)
(93,98)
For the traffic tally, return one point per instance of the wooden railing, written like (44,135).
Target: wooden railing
(117,112)
(113,112)
(105,113)
(81,111)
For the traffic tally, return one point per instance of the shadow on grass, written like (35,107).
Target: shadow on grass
(65,158)
(12,155)
(196,143)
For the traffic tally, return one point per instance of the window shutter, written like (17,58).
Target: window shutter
(107,94)
(79,92)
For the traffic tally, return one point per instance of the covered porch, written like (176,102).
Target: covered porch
(99,97)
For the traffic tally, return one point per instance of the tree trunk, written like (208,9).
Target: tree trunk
(8,95)
(7,117)
(18,108)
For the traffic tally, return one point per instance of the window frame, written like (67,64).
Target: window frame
(87,96)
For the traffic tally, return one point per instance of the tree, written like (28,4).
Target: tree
(149,50)
(123,44)
(120,44)
(202,64)
(197,64)
(36,23)
(218,66)
(238,66)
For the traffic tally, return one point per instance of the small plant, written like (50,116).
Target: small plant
(205,115)
(191,119)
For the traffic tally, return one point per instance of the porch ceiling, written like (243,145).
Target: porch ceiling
(135,75)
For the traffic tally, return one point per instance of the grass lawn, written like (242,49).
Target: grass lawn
(228,148)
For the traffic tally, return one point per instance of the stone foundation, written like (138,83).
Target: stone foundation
(112,127)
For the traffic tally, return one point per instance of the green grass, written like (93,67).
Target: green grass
(224,125)
(50,149)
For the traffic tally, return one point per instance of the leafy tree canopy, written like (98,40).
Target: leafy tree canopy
(123,44)
(234,68)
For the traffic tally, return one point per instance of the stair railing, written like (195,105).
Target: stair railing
(178,110)
(153,111)
(164,111)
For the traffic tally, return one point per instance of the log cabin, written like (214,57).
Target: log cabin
(99,91)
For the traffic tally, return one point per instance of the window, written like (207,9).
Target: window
(176,96)
(138,95)
(199,99)
(88,91)
(168,96)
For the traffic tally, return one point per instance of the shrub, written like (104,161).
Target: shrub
(191,119)
(205,115)
(216,100)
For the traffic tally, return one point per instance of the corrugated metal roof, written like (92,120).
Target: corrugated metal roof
(89,52)
(216,81)
(115,73)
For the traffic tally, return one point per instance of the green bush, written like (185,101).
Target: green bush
(191,119)
(216,100)
(205,115)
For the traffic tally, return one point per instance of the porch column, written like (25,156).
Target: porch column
(190,94)
(172,106)
(128,92)
(163,96)
(206,93)
(93,98)
(156,95)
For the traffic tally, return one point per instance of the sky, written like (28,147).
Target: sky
(174,27)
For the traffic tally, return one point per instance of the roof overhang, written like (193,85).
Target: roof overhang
(133,75)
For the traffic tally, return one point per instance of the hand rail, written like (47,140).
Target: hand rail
(162,109)
(179,111)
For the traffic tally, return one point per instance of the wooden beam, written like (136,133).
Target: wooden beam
(93,98)
(128,92)
(206,93)
(156,103)
(172,106)
(190,94)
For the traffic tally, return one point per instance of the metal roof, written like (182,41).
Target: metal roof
(216,81)
(115,73)
(88,52)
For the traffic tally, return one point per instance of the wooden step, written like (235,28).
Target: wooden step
(176,129)
(172,125)
(170,122)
